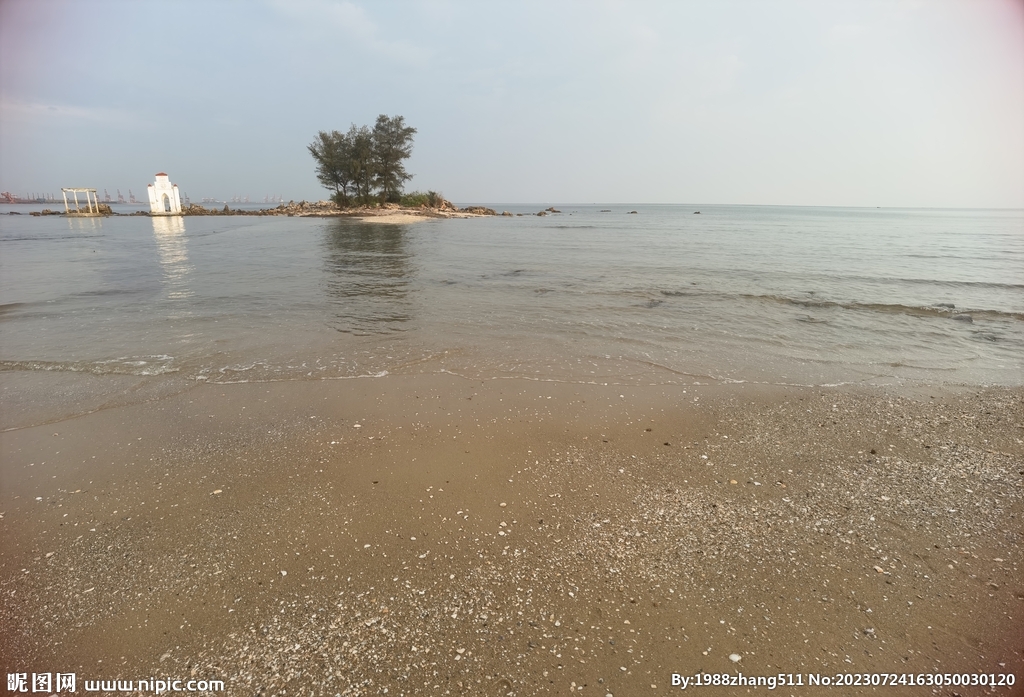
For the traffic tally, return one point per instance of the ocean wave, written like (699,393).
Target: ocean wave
(46,238)
(103,292)
(134,365)
(290,378)
(922,281)
(936,310)
(10,307)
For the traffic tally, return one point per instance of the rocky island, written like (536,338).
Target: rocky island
(383,213)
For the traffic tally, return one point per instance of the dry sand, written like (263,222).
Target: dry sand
(432,536)
(395,218)
(401,216)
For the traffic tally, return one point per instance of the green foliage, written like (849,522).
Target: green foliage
(364,165)
(418,199)
(361,162)
(332,152)
(392,144)
(414,200)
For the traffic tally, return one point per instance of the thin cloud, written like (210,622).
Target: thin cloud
(19,111)
(354,22)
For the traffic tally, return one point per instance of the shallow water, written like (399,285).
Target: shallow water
(736,293)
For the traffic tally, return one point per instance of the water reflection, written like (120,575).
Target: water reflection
(84,224)
(169,233)
(369,272)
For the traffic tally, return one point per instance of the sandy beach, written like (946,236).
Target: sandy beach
(431,534)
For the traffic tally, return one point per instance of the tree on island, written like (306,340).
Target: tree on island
(364,165)
(332,152)
(392,145)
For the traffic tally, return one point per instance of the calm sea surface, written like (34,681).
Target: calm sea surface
(785,295)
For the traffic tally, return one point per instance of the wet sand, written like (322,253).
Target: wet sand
(431,535)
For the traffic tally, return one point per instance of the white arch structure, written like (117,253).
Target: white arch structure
(163,196)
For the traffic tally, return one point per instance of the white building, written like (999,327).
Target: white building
(163,196)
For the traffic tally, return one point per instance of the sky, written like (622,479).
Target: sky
(846,103)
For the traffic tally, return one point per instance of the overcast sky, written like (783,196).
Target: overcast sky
(770,102)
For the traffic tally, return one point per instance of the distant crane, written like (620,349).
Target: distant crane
(120,198)
(106,196)
(131,197)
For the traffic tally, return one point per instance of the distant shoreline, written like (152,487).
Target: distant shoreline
(388,213)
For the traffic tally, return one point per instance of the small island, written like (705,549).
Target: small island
(381,213)
(384,213)
(364,169)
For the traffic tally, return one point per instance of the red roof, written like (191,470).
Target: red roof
(161,174)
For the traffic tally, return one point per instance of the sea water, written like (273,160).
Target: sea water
(595,293)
